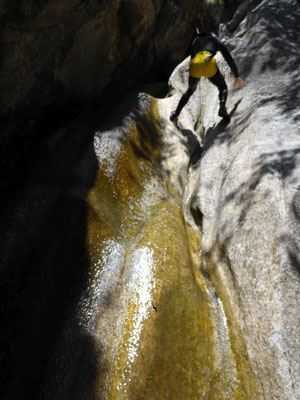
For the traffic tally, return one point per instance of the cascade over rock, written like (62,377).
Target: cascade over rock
(131,271)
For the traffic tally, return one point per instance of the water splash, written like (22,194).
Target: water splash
(107,147)
(103,280)
(138,293)
(142,284)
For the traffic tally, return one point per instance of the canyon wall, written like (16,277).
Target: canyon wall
(147,259)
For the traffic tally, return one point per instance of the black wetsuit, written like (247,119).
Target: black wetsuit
(206,42)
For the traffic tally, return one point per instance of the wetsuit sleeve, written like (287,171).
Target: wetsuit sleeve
(228,58)
(189,50)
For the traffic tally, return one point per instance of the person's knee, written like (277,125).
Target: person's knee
(223,86)
(223,92)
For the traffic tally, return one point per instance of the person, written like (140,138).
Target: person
(203,49)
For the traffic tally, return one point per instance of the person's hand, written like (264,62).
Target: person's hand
(239,82)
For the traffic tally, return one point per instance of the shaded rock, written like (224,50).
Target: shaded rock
(242,10)
(69,51)
(60,57)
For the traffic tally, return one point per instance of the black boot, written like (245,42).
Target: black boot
(174,115)
(223,112)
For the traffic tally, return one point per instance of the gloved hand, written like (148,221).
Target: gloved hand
(239,82)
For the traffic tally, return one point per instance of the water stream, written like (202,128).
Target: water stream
(157,328)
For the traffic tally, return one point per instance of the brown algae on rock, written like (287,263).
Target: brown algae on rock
(163,330)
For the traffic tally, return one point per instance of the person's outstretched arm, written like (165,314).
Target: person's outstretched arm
(230,61)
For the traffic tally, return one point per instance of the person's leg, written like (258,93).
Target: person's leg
(185,97)
(219,81)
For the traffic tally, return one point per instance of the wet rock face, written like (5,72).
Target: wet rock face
(109,300)
(68,51)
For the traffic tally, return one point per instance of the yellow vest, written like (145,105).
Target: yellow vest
(199,67)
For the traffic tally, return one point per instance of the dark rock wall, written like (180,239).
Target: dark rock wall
(59,57)
(69,51)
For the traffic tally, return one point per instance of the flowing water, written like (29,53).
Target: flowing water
(156,328)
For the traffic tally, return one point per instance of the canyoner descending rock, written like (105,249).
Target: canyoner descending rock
(244,193)
(203,48)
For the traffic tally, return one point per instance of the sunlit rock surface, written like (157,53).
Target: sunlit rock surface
(246,194)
